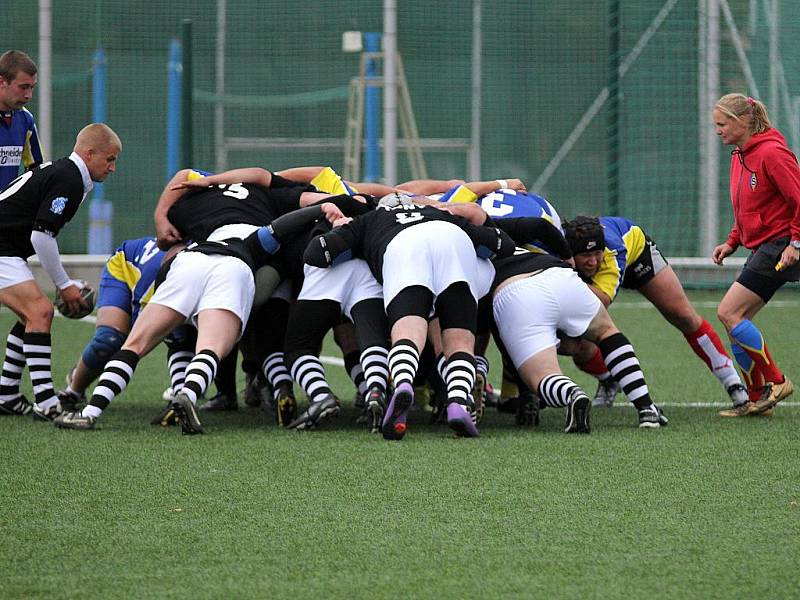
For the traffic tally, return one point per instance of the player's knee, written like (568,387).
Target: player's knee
(729,318)
(687,321)
(106,342)
(39,314)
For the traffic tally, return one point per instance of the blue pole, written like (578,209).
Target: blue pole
(101,211)
(372,111)
(174,72)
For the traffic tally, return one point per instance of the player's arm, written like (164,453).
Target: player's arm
(46,248)
(489,242)
(267,240)
(334,247)
(255,175)
(351,206)
(167,234)
(426,187)
(58,205)
(527,230)
(481,188)
(470,211)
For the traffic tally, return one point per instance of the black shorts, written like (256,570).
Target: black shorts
(759,274)
(649,264)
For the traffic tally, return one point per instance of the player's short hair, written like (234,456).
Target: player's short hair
(746,109)
(584,234)
(396,199)
(98,136)
(14,61)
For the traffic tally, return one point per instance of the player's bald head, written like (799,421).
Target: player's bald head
(97,136)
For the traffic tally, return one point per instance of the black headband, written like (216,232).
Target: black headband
(586,244)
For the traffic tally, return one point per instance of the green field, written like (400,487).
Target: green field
(706,508)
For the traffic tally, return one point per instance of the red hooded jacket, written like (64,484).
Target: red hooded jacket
(765,191)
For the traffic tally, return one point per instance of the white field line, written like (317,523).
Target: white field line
(338,362)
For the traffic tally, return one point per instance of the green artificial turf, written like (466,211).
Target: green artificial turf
(706,508)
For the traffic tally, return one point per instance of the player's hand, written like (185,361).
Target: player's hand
(516,184)
(331,212)
(166,234)
(191,184)
(789,257)
(720,253)
(342,221)
(73,302)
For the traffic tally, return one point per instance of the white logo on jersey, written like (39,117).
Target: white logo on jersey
(10,156)
(58,205)
(406,218)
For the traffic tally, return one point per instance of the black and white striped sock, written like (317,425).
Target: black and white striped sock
(37,349)
(308,371)
(482,365)
(441,366)
(460,377)
(177,361)
(556,390)
(13,364)
(375,362)
(355,371)
(274,367)
(621,360)
(403,362)
(199,374)
(112,382)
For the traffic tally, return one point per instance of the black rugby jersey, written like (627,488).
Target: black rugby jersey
(197,214)
(42,199)
(523,261)
(369,235)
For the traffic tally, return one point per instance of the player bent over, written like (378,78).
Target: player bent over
(211,283)
(613,252)
(535,296)
(33,209)
(126,286)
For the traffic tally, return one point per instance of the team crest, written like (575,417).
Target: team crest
(753,181)
(57,207)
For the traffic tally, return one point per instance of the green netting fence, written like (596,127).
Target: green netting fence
(603,107)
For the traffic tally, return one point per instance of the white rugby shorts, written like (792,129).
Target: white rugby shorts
(197,282)
(434,255)
(529,311)
(347,283)
(13,270)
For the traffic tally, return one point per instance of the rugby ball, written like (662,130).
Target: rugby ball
(87,293)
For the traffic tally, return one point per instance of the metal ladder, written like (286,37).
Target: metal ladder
(353,139)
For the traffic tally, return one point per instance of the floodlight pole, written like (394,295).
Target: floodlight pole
(612,122)
(708,77)
(389,92)
(187,158)
(475,137)
(44,89)
(221,158)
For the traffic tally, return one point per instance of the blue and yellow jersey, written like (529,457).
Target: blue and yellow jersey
(128,277)
(19,144)
(330,182)
(505,203)
(625,242)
